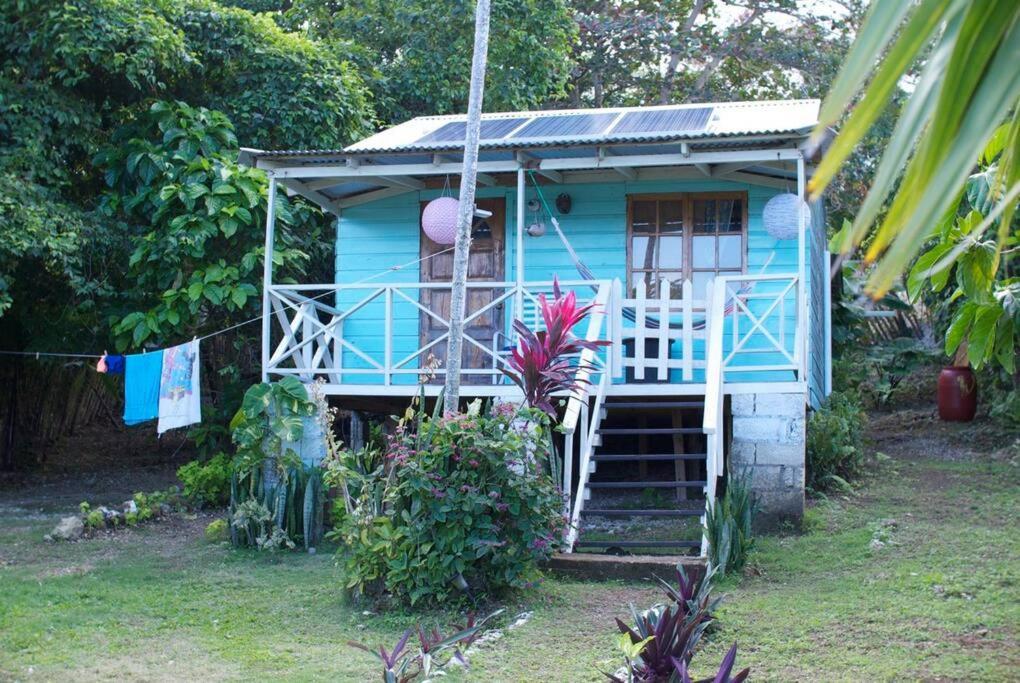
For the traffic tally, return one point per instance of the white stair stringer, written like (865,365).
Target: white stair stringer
(587,465)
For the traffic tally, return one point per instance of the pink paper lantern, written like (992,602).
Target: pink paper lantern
(439,220)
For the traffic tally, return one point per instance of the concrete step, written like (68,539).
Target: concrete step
(597,567)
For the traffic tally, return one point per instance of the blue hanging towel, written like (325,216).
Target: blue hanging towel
(141,386)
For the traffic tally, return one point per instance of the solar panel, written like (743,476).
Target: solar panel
(565,125)
(455,130)
(664,121)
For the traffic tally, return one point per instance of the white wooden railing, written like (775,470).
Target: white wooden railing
(577,406)
(765,325)
(662,320)
(765,309)
(375,327)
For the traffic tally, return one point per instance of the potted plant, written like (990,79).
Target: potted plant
(957,389)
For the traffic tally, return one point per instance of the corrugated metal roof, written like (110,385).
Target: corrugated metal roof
(598,126)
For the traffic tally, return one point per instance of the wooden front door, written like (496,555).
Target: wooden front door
(485,264)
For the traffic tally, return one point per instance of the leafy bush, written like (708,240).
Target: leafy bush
(278,511)
(542,362)
(898,372)
(275,499)
(461,504)
(835,443)
(217,530)
(723,675)
(728,523)
(207,483)
(661,641)
(434,653)
(141,508)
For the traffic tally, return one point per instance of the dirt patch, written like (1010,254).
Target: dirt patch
(612,603)
(62,492)
(918,433)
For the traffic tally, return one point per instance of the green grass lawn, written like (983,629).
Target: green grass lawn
(939,601)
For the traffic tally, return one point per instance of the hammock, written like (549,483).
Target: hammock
(585,272)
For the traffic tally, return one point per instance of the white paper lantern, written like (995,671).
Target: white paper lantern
(439,220)
(780,216)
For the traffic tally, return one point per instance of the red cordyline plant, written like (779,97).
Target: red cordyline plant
(541,364)
(724,674)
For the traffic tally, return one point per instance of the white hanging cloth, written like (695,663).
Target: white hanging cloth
(180,397)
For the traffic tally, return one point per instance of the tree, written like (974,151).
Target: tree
(968,85)
(196,261)
(416,54)
(640,52)
(124,217)
(984,307)
(466,208)
(646,52)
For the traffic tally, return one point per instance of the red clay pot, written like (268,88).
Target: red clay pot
(957,394)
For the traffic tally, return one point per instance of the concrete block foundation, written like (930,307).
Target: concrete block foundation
(769,443)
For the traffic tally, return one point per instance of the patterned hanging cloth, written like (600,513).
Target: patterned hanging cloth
(180,400)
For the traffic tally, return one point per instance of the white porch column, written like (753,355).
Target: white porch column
(519,251)
(267,274)
(802,309)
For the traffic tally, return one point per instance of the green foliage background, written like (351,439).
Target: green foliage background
(124,218)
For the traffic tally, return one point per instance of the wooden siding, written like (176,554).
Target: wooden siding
(818,280)
(376,236)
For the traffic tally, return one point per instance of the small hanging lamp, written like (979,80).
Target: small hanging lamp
(781,217)
(439,219)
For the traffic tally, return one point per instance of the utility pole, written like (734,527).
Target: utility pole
(466,212)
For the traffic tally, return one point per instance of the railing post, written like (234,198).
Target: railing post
(388,336)
(688,331)
(568,471)
(710,442)
(665,307)
(585,417)
(267,273)
(519,246)
(616,336)
(803,347)
(639,334)
(338,353)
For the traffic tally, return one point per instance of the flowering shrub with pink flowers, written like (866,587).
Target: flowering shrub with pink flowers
(462,506)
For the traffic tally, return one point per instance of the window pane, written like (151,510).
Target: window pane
(700,282)
(704,252)
(676,283)
(730,251)
(639,281)
(671,216)
(731,218)
(704,215)
(643,216)
(671,252)
(642,251)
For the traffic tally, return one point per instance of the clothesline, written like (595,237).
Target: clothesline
(391,269)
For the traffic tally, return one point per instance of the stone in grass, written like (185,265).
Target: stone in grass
(68,529)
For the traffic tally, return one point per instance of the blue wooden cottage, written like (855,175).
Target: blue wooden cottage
(716,306)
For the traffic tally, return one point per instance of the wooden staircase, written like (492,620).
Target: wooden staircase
(648,467)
